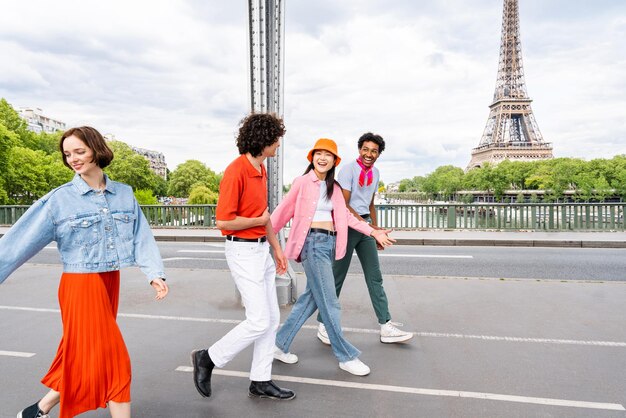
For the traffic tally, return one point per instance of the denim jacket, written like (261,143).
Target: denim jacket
(94,231)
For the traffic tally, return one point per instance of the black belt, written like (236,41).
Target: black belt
(237,239)
(323,231)
(367,215)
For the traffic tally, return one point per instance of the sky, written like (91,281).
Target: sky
(172,76)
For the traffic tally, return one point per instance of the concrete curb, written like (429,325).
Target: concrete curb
(444,242)
(448,242)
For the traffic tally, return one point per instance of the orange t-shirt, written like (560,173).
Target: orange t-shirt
(243,192)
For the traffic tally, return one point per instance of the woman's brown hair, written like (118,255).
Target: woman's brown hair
(102,154)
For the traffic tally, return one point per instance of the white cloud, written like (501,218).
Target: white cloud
(172,76)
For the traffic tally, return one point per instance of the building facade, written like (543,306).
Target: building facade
(156,160)
(38,122)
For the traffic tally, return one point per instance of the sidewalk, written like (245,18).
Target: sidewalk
(450,238)
(592,239)
(482,348)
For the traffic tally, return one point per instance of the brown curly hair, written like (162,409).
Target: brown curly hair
(257,131)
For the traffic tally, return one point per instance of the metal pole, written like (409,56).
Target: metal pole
(266,37)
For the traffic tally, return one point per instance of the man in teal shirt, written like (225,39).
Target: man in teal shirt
(359,182)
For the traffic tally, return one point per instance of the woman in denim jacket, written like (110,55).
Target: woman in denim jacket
(319,230)
(99,228)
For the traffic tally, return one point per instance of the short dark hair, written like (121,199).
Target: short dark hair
(102,154)
(257,131)
(377,139)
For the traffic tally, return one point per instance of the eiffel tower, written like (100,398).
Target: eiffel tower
(511,132)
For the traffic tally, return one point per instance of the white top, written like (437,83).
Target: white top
(323,211)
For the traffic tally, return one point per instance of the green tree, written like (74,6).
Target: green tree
(14,123)
(411,185)
(46,142)
(190,173)
(601,167)
(131,168)
(202,195)
(602,189)
(445,180)
(475,180)
(619,178)
(145,197)
(540,178)
(584,185)
(55,172)
(562,174)
(514,173)
(8,140)
(4,196)
(26,176)
(159,185)
(487,178)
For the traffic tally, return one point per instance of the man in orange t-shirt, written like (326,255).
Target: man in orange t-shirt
(243,217)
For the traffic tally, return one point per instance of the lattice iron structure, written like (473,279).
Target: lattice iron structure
(266,46)
(511,132)
(266,30)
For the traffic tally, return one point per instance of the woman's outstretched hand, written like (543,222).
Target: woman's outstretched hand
(160,287)
(382,238)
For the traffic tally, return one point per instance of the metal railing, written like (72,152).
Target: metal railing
(506,216)
(180,216)
(502,216)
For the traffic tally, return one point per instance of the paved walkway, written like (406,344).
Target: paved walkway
(612,239)
(482,348)
(452,238)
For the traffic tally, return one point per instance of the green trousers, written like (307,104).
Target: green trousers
(367,252)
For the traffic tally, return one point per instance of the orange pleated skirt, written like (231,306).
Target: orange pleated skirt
(92,365)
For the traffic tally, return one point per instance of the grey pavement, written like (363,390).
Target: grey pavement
(614,239)
(590,239)
(483,348)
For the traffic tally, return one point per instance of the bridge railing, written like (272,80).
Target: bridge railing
(506,216)
(503,216)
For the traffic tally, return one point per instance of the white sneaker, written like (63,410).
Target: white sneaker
(390,334)
(356,367)
(322,334)
(284,357)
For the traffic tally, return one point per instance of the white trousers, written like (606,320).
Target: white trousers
(254,272)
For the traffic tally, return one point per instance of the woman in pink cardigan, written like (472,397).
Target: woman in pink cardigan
(319,231)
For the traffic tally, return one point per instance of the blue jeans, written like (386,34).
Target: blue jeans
(317,259)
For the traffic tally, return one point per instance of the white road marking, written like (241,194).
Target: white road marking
(428,392)
(354,255)
(16,354)
(423,255)
(193,258)
(359,330)
(50,248)
(201,251)
(24,308)
(520,339)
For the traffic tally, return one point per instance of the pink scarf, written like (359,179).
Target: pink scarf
(365,172)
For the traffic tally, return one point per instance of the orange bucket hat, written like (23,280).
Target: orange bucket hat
(326,145)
